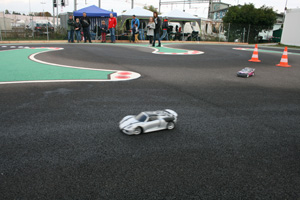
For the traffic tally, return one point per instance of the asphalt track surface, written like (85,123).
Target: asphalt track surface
(236,138)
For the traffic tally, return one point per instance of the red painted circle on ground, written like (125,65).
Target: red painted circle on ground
(122,77)
(124,73)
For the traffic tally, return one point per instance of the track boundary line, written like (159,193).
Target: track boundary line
(117,75)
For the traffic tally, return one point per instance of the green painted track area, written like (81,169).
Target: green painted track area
(16,67)
(161,49)
(165,50)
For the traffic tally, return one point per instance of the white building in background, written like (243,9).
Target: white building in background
(24,20)
(291,28)
(5,23)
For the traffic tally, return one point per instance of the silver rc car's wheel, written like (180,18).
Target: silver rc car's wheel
(138,130)
(171,125)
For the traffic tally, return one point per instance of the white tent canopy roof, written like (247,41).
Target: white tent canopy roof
(138,11)
(178,15)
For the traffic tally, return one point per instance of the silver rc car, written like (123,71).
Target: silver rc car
(246,72)
(148,121)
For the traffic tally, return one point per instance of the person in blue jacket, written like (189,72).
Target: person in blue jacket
(133,27)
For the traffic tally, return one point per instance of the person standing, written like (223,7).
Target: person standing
(77,27)
(112,23)
(85,22)
(150,31)
(157,22)
(136,33)
(71,25)
(165,26)
(135,23)
(103,29)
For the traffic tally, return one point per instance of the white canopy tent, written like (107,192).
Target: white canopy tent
(124,19)
(181,17)
(177,14)
(139,12)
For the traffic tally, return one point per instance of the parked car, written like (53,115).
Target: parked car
(246,72)
(148,121)
(40,27)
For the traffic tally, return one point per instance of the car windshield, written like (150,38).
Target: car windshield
(141,117)
(246,70)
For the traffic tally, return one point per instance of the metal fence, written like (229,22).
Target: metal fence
(221,32)
(245,33)
(28,33)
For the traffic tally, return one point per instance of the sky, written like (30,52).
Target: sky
(25,6)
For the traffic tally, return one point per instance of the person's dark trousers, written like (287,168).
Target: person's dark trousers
(78,35)
(71,36)
(112,35)
(150,39)
(156,37)
(86,34)
(133,35)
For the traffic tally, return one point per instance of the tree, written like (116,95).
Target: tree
(7,12)
(47,14)
(151,8)
(16,13)
(239,19)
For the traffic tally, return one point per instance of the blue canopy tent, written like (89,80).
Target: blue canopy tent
(93,11)
(95,14)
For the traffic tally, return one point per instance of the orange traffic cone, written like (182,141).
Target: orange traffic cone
(255,55)
(284,59)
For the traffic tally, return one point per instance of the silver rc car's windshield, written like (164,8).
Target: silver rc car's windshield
(247,70)
(141,117)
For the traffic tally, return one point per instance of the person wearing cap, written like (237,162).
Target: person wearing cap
(71,25)
(165,26)
(135,23)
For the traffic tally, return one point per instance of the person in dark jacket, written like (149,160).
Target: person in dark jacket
(71,25)
(165,26)
(77,27)
(103,29)
(85,23)
(157,22)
